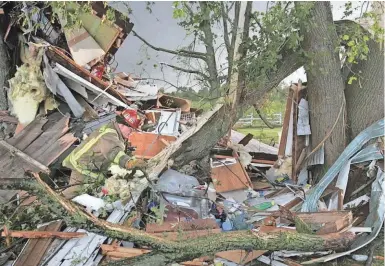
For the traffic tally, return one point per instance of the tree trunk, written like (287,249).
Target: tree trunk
(4,70)
(200,144)
(208,40)
(365,96)
(167,251)
(325,83)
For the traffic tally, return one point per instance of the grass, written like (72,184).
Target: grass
(265,135)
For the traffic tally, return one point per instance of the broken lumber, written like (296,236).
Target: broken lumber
(122,252)
(42,234)
(35,249)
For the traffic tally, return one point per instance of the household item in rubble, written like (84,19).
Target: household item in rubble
(94,156)
(264,205)
(131,117)
(178,189)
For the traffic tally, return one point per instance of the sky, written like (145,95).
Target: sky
(161,29)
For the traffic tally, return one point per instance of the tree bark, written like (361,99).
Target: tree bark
(166,251)
(4,69)
(325,83)
(208,40)
(200,144)
(365,96)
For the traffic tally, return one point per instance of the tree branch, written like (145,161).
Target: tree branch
(234,32)
(181,52)
(190,71)
(225,27)
(264,119)
(169,83)
(208,40)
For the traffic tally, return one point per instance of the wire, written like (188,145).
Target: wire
(239,178)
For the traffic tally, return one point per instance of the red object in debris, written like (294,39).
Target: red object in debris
(104,191)
(132,118)
(125,130)
(98,71)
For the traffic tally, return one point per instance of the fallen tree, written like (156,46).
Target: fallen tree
(166,251)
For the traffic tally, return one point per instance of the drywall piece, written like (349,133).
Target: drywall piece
(82,46)
(68,74)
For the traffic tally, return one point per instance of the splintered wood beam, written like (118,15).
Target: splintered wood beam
(285,126)
(122,252)
(42,234)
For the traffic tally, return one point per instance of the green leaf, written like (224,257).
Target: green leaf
(351,43)
(351,79)
(345,37)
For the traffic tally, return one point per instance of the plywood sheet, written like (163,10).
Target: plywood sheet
(148,144)
(230,177)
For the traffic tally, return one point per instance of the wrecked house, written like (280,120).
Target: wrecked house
(99,143)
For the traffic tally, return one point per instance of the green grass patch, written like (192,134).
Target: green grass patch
(265,135)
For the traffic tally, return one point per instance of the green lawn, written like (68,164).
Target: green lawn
(266,135)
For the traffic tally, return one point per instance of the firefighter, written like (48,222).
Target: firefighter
(92,158)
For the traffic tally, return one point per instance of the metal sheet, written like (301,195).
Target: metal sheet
(374,131)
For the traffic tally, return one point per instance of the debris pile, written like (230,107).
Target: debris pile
(103,139)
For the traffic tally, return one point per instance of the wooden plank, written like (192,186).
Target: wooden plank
(328,221)
(230,177)
(299,142)
(285,126)
(187,235)
(5,117)
(28,134)
(122,252)
(37,234)
(263,161)
(50,135)
(240,256)
(57,148)
(24,156)
(198,224)
(295,136)
(36,248)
